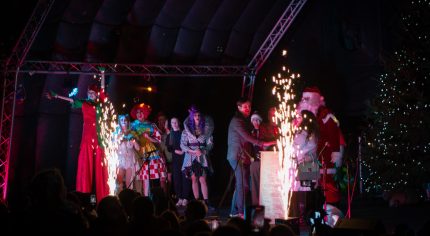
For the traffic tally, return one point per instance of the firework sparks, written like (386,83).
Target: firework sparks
(110,142)
(284,115)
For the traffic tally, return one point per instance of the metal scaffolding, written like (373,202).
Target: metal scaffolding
(76,68)
(10,79)
(269,44)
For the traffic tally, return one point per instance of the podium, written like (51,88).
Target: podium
(270,186)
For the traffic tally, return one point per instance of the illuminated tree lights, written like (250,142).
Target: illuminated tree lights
(398,139)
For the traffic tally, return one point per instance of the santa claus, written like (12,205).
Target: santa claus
(330,141)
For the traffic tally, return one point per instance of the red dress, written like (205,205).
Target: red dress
(91,155)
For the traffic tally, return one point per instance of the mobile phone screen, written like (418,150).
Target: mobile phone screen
(257,216)
(93,199)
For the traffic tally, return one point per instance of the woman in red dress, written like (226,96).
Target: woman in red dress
(92,173)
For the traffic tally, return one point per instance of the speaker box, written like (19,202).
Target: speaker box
(358,227)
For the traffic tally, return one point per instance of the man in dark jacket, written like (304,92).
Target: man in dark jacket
(240,143)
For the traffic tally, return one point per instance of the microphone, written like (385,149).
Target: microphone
(325,145)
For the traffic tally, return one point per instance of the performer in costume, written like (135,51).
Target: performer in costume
(328,143)
(92,173)
(154,166)
(128,153)
(196,142)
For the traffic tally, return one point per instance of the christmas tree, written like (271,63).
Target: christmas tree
(398,139)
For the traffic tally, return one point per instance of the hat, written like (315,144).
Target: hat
(146,109)
(256,116)
(94,88)
(313,89)
(193,109)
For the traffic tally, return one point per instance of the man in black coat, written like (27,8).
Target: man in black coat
(240,143)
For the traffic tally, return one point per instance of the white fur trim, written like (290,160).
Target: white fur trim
(328,116)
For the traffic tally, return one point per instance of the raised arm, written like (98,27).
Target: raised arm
(102,78)
(241,130)
(50,95)
(239,125)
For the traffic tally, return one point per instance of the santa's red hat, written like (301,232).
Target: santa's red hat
(144,108)
(94,88)
(313,89)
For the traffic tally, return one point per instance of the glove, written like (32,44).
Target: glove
(336,158)
(52,94)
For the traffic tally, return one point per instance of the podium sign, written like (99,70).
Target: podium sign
(270,186)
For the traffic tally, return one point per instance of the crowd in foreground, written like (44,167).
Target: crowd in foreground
(49,209)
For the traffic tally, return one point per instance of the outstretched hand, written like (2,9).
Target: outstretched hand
(50,95)
(268,144)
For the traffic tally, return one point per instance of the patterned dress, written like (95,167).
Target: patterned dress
(193,164)
(154,166)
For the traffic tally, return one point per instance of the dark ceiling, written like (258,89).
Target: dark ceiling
(157,31)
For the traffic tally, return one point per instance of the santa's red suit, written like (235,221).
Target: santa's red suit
(328,148)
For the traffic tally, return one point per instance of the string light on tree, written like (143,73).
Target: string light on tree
(398,138)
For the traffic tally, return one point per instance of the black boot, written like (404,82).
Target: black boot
(209,206)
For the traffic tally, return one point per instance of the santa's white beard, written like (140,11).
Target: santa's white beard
(306,106)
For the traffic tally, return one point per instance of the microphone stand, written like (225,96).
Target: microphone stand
(145,159)
(324,166)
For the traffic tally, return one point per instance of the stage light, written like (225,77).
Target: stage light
(149,89)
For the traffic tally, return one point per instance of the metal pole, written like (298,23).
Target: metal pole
(360,166)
